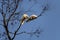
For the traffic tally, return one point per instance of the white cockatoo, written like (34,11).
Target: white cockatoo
(32,17)
(24,17)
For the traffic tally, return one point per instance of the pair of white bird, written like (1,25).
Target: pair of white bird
(26,18)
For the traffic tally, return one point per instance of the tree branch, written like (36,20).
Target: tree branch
(16,32)
(13,12)
(4,22)
(43,10)
(37,31)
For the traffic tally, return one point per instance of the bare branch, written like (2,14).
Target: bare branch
(16,32)
(43,10)
(4,22)
(8,6)
(13,12)
(37,31)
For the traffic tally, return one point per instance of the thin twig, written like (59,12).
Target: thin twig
(43,10)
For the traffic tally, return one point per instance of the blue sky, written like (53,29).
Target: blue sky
(49,22)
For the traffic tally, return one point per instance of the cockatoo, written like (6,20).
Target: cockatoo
(24,17)
(32,17)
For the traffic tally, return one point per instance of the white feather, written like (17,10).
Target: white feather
(33,15)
